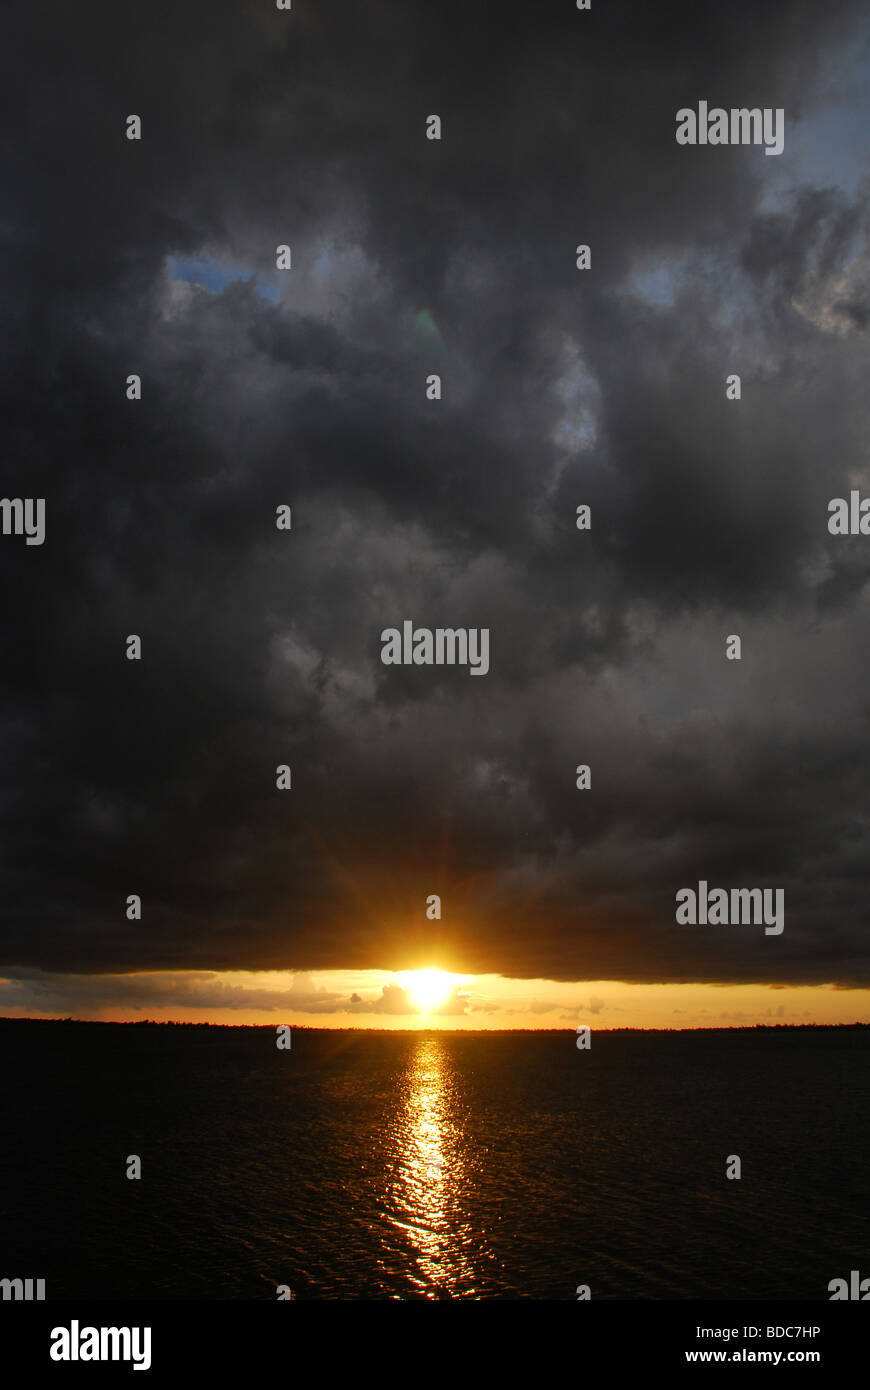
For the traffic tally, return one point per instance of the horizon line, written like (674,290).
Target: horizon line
(309,1028)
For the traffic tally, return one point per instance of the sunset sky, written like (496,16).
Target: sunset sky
(377,999)
(306,388)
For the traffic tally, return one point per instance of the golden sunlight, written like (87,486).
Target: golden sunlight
(429,989)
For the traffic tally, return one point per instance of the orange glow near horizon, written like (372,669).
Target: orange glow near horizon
(426,999)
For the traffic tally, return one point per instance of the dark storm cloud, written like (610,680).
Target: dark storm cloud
(561,387)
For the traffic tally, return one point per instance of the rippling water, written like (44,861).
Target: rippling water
(448,1165)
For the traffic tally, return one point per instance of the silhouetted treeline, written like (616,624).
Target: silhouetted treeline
(306,1027)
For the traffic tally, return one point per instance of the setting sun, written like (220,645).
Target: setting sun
(428,988)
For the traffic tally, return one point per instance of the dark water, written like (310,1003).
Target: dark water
(363,1165)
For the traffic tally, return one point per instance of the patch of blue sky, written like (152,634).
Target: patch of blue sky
(831,145)
(657,284)
(214,276)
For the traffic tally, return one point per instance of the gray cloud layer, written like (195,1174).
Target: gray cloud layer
(561,387)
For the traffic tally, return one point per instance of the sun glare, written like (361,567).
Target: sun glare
(429,989)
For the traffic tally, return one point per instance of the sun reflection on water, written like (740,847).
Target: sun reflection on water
(425,1192)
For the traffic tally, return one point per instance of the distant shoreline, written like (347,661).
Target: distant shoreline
(460,1032)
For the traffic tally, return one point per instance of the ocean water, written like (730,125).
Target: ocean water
(433,1165)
